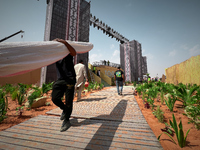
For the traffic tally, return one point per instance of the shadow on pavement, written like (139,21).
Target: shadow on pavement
(93,99)
(98,136)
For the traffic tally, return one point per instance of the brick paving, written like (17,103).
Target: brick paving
(102,120)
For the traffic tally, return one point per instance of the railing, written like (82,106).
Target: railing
(105,63)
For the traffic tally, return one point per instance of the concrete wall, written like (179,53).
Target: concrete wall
(107,73)
(32,77)
(96,78)
(106,78)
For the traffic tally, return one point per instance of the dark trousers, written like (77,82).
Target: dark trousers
(60,88)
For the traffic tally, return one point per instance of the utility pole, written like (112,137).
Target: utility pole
(11,36)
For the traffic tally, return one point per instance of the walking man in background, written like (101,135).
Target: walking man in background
(80,75)
(98,73)
(104,62)
(65,85)
(94,68)
(119,78)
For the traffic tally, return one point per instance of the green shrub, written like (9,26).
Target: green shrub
(37,93)
(139,90)
(20,110)
(151,102)
(101,86)
(193,114)
(22,88)
(3,105)
(159,114)
(134,83)
(7,88)
(14,95)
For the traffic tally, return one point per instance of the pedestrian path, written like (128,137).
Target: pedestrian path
(102,120)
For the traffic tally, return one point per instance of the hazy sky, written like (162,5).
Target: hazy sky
(169,30)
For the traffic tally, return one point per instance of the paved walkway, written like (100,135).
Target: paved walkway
(102,120)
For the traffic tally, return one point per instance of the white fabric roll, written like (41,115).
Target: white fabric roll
(20,57)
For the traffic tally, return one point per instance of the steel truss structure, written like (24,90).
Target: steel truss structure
(107,29)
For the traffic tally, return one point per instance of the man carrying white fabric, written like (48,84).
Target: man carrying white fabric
(65,85)
(80,75)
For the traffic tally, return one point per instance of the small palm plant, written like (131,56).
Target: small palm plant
(163,91)
(179,132)
(162,97)
(20,93)
(186,96)
(144,90)
(46,87)
(20,98)
(14,95)
(170,102)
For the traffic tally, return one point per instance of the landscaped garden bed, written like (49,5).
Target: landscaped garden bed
(162,103)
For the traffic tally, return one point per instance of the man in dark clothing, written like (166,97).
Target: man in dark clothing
(65,85)
(104,62)
(108,63)
(119,78)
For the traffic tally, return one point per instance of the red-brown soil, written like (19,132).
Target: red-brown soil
(193,139)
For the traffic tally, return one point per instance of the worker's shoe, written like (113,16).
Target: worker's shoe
(62,117)
(65,125)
